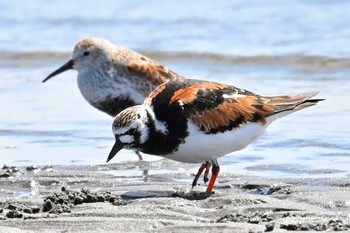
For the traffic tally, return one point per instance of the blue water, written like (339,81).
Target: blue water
(225,27)
(269,47)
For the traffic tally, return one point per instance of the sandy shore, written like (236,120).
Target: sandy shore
(129,197)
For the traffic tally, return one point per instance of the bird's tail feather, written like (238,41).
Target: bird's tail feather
(293,102)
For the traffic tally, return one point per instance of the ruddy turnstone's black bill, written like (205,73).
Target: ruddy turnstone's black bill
(198,121)
(68,66)
(118,145)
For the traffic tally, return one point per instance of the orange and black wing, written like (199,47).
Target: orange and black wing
(214,107)
(218,107)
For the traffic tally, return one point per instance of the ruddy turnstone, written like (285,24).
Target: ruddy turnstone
(112,78)
(197,121)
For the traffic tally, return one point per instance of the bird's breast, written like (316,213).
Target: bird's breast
(108,95)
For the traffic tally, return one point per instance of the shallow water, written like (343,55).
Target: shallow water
(271,49)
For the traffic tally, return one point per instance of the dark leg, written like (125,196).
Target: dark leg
(199,173)
(206,173)
(215,172)
(139,154)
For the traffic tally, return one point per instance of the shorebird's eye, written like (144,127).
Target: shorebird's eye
(86,53)
(131,131)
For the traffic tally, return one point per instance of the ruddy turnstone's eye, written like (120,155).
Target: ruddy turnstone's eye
(86,53)
(138,116)
(131,131)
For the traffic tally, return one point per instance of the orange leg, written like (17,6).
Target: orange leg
(214,174)
(199,173)
(206,173)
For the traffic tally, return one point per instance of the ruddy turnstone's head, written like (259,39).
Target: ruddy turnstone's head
(131,128)
(88,54)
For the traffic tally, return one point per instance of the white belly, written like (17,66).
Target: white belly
(199,147)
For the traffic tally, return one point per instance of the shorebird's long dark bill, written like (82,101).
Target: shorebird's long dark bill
(118,145)
(65,67)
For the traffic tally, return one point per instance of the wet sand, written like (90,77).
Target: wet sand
(129,197)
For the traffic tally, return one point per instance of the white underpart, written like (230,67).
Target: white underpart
(199,147)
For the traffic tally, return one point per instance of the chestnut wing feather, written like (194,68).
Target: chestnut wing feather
(218,107)
(152,71)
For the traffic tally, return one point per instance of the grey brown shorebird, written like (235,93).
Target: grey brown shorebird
(112,78)
(196,121)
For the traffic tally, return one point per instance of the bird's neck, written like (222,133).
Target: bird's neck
(163,137)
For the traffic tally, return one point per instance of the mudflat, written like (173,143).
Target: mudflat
(156,197)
